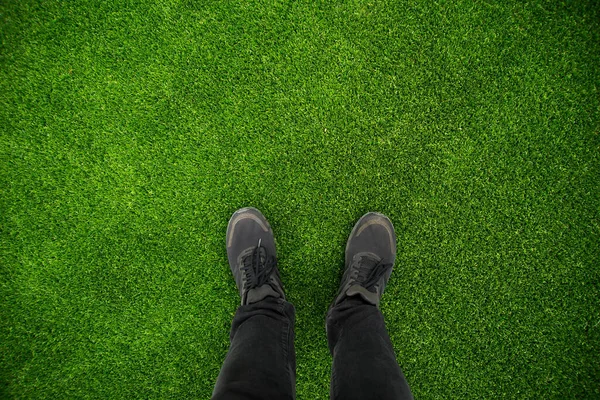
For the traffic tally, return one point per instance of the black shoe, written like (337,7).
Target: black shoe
(252,256)
(370,255)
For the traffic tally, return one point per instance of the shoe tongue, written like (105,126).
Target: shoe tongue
(357,290)
(369,259)
(259,293)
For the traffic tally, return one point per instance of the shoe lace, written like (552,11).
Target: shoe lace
(369,275)
(258,266)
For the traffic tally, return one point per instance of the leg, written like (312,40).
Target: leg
(364,363)
(261,362)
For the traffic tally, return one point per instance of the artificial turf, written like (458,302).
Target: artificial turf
(132,130)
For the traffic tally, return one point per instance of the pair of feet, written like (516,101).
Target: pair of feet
(370,255)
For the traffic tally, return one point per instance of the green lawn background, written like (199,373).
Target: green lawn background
(130,131)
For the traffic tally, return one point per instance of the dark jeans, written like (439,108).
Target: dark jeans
(261,363)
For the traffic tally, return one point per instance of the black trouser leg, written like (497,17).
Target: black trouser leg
(261,362)
(364,363)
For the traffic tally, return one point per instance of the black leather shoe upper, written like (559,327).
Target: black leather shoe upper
(370,256)
(252,256)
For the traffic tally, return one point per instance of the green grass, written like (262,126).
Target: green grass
(130,131)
